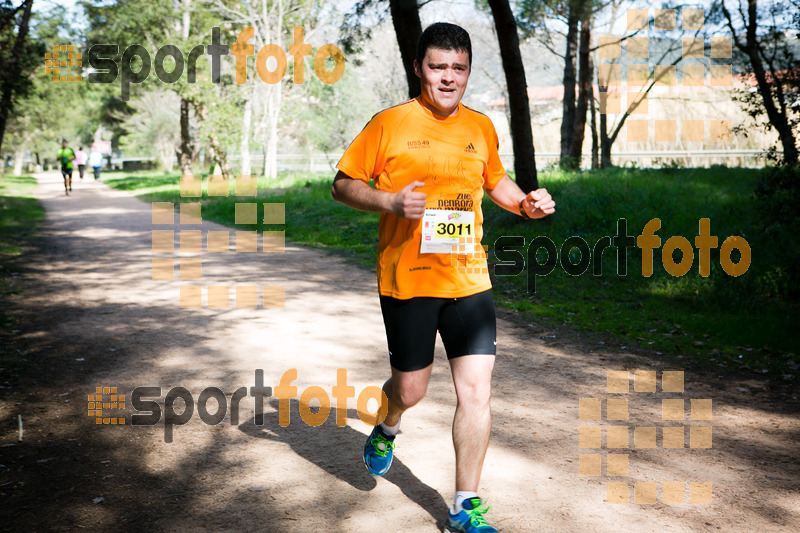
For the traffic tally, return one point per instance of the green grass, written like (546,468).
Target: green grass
(721,321)
(714,319)
(20,215)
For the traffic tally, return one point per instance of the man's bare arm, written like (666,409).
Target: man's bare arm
(507,194)
(359,195)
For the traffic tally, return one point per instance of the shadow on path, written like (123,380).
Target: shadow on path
(342,455)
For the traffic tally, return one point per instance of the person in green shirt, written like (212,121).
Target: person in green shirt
(65,156)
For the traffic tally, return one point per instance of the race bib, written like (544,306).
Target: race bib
(442,229)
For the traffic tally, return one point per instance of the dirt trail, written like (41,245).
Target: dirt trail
(90,315)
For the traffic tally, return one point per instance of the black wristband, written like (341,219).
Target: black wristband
(522,210)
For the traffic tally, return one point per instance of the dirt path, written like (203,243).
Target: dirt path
(91,316)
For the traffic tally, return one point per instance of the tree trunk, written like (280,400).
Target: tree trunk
(185,148)
(164,156)
(407,28)
(605,142)
(568,113)
(584,93)
(264,159)
(98,134)
(218,156)
(593,110)
(247,120)
(273,116)
(520,124)
(754,48)
(790,155)
(11,72)
(186,18)
(274,92)
(216,152)
(19,158)
(185,151)
(777,118)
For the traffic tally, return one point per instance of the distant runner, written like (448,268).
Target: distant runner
(80,160)
(96,162)
(66,155)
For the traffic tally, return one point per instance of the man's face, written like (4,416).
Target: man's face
(443,77)
(63,144)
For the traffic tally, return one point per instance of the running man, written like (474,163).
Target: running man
(432,159)
(66,155)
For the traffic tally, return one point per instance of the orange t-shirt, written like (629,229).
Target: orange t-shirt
(457,159)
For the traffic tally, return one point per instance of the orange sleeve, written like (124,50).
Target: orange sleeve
(364,159)
(494,167)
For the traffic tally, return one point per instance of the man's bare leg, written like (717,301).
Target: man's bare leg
(404,390)
(472,376)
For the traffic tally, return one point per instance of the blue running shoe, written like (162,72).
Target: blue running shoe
(470,519)
(378,452)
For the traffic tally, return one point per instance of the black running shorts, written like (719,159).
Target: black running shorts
(466,325)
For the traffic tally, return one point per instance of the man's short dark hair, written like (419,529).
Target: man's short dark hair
(444,36)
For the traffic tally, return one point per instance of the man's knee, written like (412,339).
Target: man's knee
(478,397)
(409,394)
(474,390)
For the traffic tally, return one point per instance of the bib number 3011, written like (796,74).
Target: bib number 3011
(451,229)
(442,229)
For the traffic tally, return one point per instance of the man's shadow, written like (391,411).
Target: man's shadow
(340,452)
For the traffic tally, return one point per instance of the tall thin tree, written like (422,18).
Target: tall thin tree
(11,80)
(773,69)
(517,86)
(407,28)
